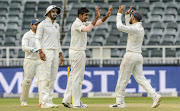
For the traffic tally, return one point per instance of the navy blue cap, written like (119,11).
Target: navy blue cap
(136,14)
(35,21)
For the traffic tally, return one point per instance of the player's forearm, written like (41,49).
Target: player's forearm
(120,26)
(25,48)
(38,44)
(119,21)
(60,50)
(88,28)
(60,54)
(40,51)
(104,18)
(127,19)
(99,22)
(94,21)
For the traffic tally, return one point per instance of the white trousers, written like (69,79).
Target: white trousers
(74,85)
(131,63)
(32,68)
(50,70)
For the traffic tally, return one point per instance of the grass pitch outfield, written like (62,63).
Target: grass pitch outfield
(95,104)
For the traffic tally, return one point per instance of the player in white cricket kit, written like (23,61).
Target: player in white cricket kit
(48,45)
(32,63)
(132,61)
(77,55)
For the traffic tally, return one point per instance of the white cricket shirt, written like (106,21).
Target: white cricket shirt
(135,33)
(28,42)
(48,34)
(78,38)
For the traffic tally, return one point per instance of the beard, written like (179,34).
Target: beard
(53,16)
(130,22)
(84,19)
(34,29)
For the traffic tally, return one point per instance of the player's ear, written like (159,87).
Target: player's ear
(80,15)
(133,18)
(31,25)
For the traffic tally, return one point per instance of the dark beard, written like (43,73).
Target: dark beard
(53,18)
(130,22)
(34,29)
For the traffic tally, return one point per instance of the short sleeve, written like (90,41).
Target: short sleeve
(87,23)
(39,32)
(78,26)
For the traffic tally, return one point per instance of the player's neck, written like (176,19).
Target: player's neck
(51,19)
(33,30)
(80,18)
(134,22)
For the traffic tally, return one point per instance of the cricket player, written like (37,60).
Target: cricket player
(32,63)
(77,55)
(49,48)
(132,61)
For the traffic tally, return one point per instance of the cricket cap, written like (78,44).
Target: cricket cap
(136,14)
(52,7)
(35,21)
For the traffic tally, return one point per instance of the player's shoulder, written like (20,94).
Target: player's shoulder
(27,34)
(42,23)
(77,23)
(56,24)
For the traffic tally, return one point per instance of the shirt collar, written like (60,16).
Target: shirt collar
(32,32)
(49,20)
(77,19)
(137,23)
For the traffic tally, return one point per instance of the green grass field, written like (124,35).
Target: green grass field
(95,104)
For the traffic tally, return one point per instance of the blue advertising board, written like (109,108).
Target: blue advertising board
(97,79)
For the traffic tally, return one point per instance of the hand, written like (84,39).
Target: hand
(121,9)
(34,50)
(98,12)
(127,12)
(109,12)
(42,55)
(61,61)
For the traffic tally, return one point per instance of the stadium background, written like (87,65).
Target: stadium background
(106,45)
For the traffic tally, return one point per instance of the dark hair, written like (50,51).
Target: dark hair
(82,10)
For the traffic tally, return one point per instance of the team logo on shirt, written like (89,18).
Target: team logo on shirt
(56,26)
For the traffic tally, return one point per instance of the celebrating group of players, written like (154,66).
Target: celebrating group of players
(43,50)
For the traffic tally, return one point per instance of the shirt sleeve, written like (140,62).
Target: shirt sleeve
(87,23)
(59,44)
(78,26)
(99,22)
(127,19)
(25,44)
(124,28)
(39,34)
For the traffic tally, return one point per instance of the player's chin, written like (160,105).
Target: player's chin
(54,18)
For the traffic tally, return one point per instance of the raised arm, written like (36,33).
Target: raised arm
(120,26)
(99,22)
(93,23)
(127,16)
